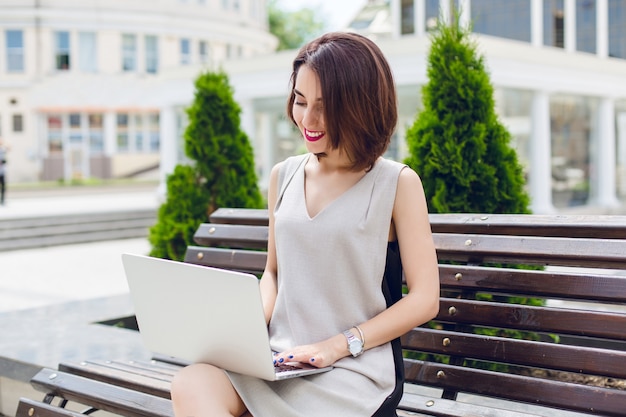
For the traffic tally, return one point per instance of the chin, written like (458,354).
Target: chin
(316,147)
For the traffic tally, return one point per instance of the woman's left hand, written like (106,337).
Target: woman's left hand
(319,354)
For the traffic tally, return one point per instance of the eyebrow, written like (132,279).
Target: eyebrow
(295,90)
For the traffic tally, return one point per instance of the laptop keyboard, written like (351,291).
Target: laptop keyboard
(284,367)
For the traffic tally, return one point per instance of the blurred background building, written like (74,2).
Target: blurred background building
(98,88)
(81,80)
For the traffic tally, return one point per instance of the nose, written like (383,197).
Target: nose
(311,116)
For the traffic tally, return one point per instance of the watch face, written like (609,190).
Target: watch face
(356,347)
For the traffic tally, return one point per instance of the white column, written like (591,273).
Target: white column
(110,134)
(419,17)
(444,11)
(396,18)
(169,147)
(247,119)
(621,152)
(606,182)
(465,13)
(540,173)
(602,28)
(536,23)
(266,149)
(570,25)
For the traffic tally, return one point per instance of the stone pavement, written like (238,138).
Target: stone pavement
(44,276)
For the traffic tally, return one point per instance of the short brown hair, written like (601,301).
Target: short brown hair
(358,93)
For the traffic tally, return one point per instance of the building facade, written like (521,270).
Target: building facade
(99,88)
(559,72)
(80,80)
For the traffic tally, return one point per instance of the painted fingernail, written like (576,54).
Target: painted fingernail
(274,362)
(290,356)
(312,359)
(281,360)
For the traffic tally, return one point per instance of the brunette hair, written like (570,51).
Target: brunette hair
(358,93)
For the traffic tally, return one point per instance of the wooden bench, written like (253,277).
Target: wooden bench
(572,354)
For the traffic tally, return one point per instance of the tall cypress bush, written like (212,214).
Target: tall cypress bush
(457,144)
(462,151)
(221,173)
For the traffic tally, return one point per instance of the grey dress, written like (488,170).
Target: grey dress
(330,269)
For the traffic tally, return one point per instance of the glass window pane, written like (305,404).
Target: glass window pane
(586,26)
(62,51)
(617,28)
(15,50)
(571,120)
(95,121)
(88,53)
(152,54)
(18,123)
(185,52)
(553,23)
(203,51)
(129,52)
(507,19)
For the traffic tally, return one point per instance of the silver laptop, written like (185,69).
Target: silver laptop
(201,314)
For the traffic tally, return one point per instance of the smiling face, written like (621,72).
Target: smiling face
(308,110)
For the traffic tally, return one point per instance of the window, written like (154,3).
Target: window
(87,52)
(55,138)
(18,123)
(15,50)
(203,51)
(138,125)
(96,135)
(553,23)
(185,52)
(153,131)
(122,132)
(129,52)
(75,131)
(586,26)
(152,54)
(62,50)
(506,19)
(617,30)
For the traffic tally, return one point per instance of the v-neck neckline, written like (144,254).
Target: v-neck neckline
(334,200)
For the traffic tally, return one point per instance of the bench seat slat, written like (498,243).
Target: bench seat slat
(576,397)
(478,249)
(145,380)
(601,253)
(595,226)
(585,360)
(440,407)
(233,236)
(563,285)
(539,319)
(107,397)
(238,260)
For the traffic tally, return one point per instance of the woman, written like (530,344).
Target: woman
(337,216)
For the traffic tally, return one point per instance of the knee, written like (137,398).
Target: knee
(183,382)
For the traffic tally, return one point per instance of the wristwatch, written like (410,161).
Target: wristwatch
(355,345)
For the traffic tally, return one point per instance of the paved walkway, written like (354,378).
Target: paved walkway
(47,276)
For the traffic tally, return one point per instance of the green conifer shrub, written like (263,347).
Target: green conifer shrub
(457,144)
(462,152)
(221,173)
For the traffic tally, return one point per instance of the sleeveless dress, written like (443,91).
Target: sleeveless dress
(330,275)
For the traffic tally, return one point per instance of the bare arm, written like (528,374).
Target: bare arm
(419,262)
(269,278)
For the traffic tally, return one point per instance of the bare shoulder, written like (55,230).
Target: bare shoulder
(410,192)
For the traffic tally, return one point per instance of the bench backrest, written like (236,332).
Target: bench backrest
(501,331)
